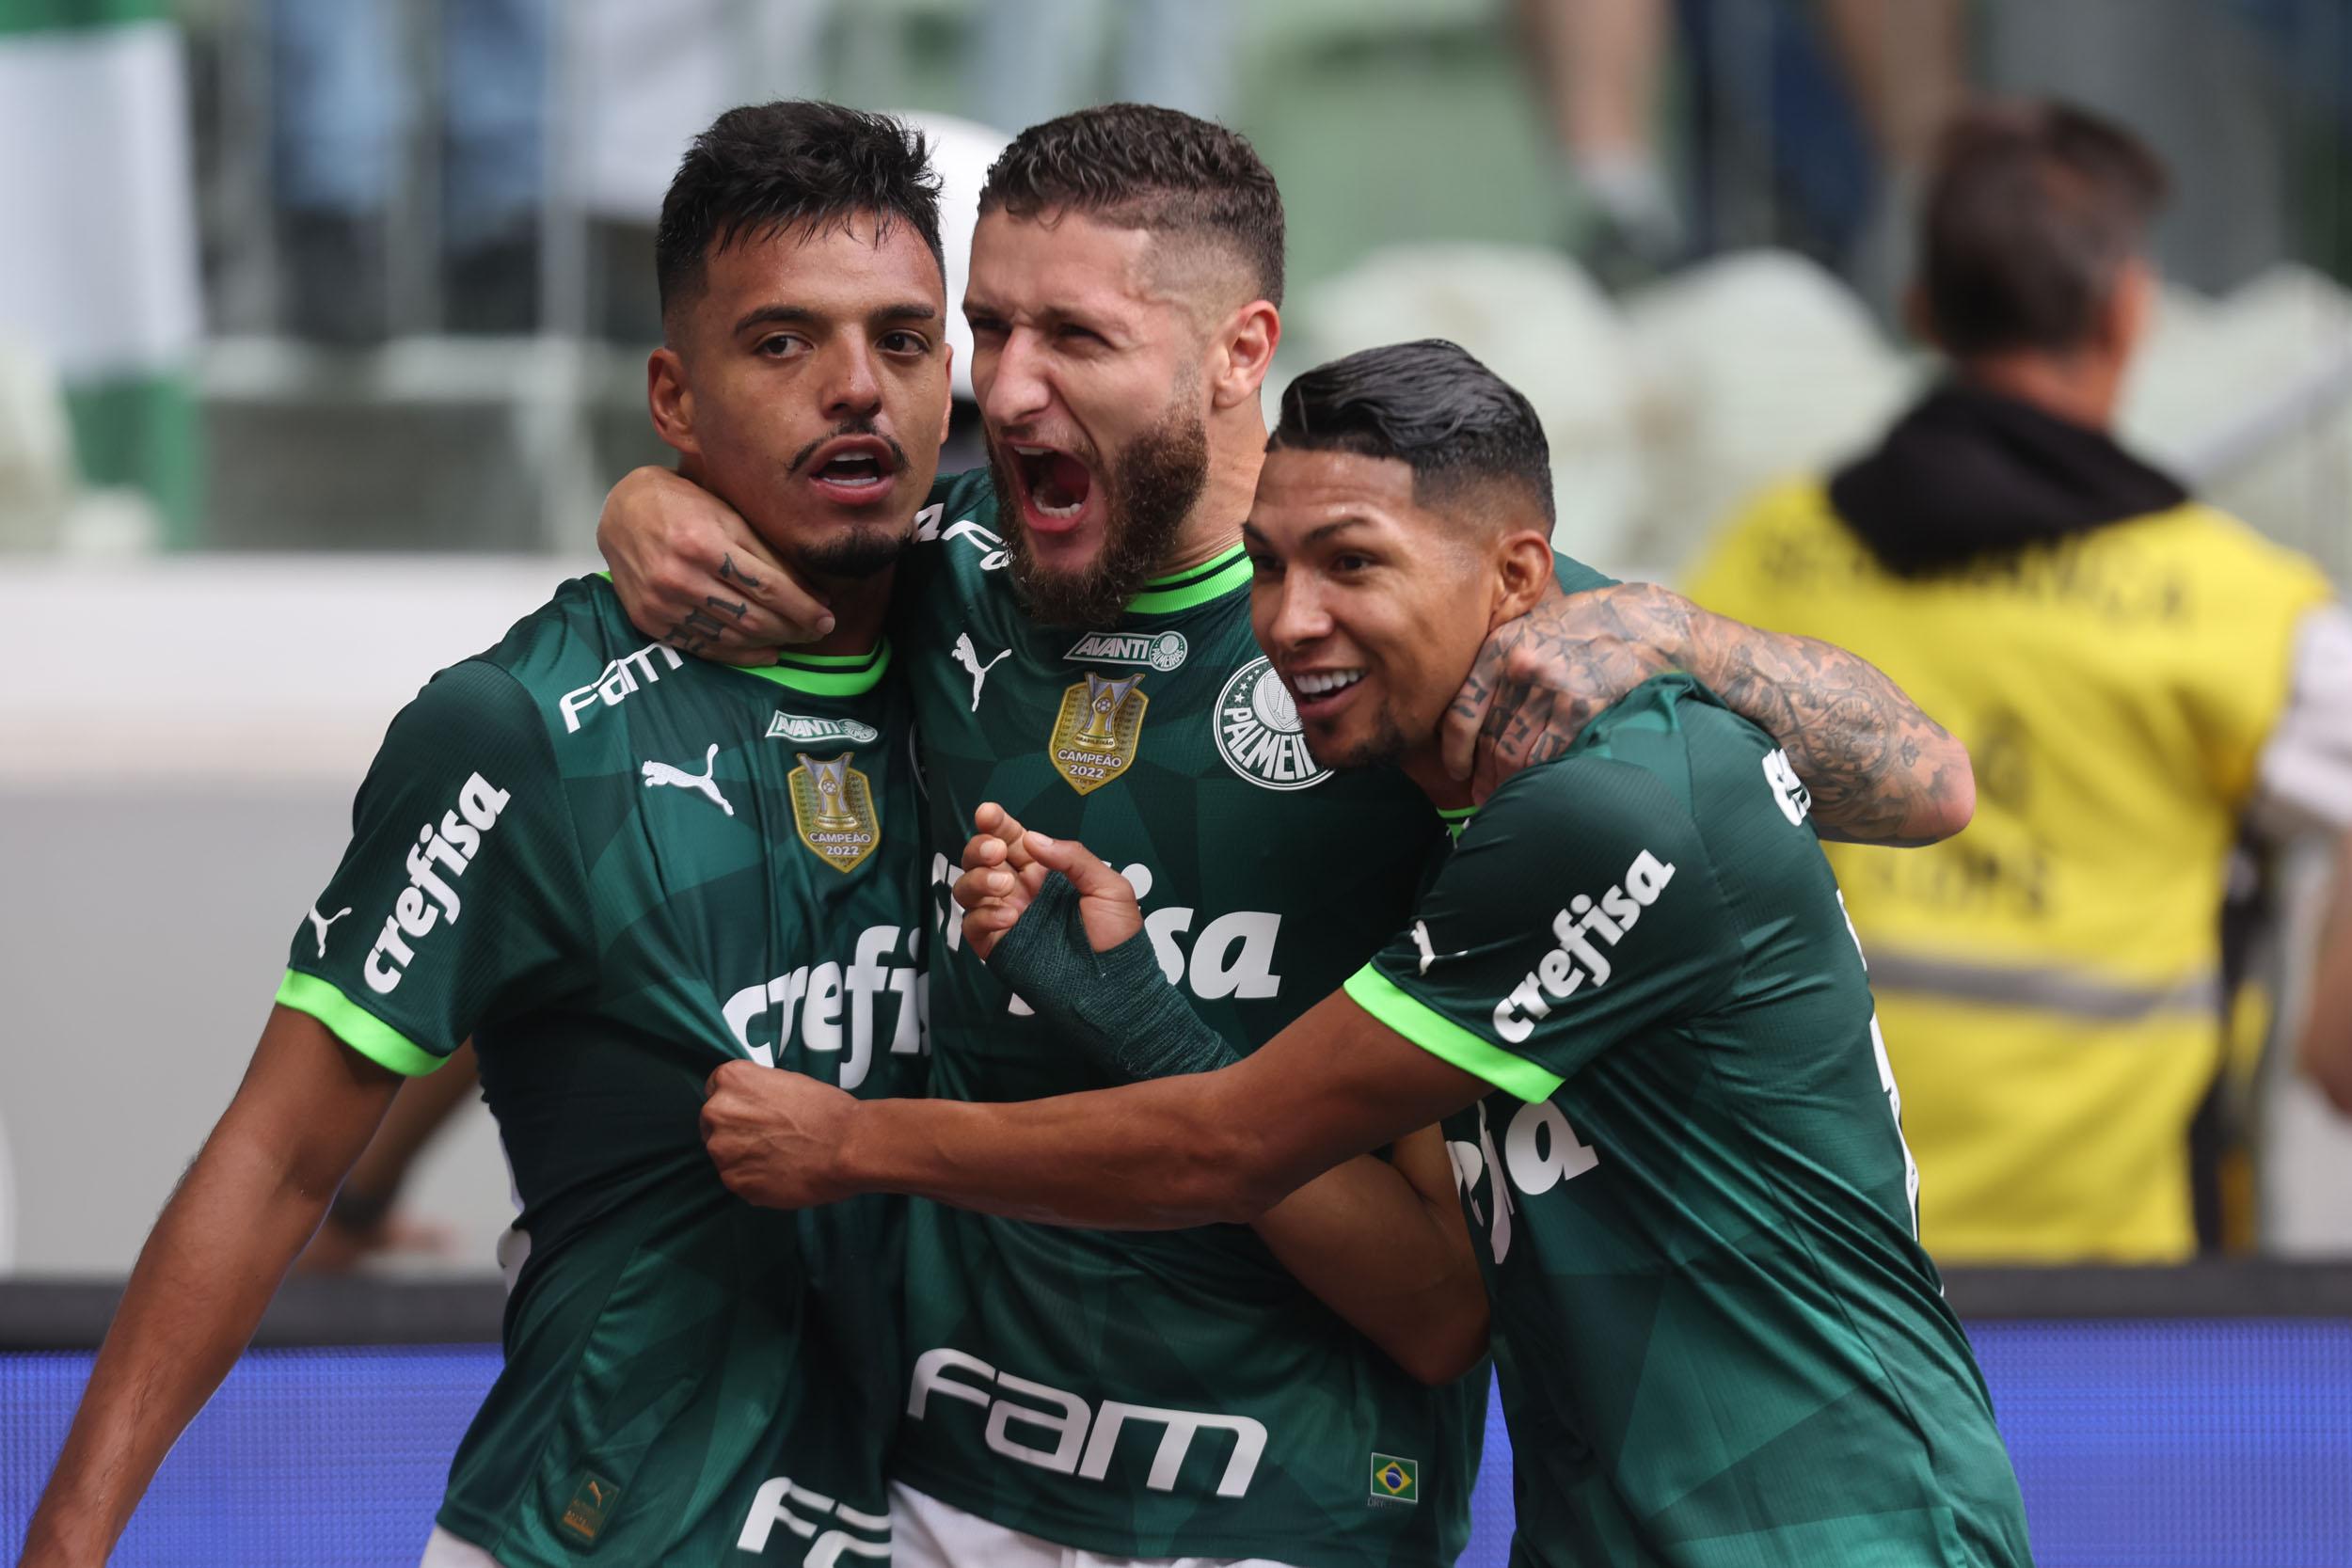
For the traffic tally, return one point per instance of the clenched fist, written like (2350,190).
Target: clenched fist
(774,1135)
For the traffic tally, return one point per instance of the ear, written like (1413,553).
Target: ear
(672,401)
(1523,576)
(1244,352)
(947,409)
(2130,308)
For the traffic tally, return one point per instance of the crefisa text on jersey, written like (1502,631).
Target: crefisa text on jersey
(1560,973)
(454,845)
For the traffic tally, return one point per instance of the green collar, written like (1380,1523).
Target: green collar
(828,675)
(1455,818)
(1194,586)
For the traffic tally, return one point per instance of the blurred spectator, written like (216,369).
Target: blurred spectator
(1817,116)
(341,119)
(2133,672)
(1033,59)
(2326,1048)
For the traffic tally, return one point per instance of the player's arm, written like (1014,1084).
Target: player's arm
(1379,1240)
(690,571)
(1203,1149)
(361,1221)
(1880,771)
(256,1192)
(1382,1243)
(2324,1049)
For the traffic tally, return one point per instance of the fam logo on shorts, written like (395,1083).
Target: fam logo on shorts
(1395,1480)
(1163,650)
(1096,731)
(832,809)
(1258,732)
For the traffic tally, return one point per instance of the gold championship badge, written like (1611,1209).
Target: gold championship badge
(833,806)
(1096,733)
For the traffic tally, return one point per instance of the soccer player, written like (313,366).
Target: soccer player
(1630,988)
(614,868)
(1075,624)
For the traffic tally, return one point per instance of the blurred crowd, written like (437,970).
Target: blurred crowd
(2046,410)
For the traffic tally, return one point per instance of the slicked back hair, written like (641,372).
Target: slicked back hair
(1135,166)
(767,169)
(1430,405)
(2033,210)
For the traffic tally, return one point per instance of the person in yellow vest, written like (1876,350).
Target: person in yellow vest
(2133,673)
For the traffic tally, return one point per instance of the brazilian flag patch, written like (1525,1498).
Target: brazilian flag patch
(592,1501)
(1395,1480)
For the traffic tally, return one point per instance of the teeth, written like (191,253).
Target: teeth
(1322,683)
(1070,511)
(1033,451)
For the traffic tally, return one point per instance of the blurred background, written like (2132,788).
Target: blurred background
(322,327)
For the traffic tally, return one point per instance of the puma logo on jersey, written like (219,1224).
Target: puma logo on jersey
(774,1505)
(1561,973)
(320,923)
(429,899)
(703,784)
(969,657)
(1081,1436)
(1429,955)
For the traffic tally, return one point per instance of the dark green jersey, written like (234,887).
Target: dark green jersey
(1137,1394)
(1719,1341)
(614,869)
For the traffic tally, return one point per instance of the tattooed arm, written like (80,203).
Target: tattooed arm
(1880,771)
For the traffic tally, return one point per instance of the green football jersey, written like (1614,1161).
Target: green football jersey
(1718,1339)
(614,869)
(1154,1395)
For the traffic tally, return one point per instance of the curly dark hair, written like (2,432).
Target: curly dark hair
(1431,406)
(1140,166)
(767,168)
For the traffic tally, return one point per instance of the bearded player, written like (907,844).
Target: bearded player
(616,868)
(1630,988)
(1126,276)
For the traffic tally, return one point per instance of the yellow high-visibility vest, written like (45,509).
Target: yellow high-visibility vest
(2048,980)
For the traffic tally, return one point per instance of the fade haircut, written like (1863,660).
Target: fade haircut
(1134,165)
(768,168)
(1430,405)
(2033,211)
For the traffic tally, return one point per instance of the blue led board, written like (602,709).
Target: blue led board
(2160,1444)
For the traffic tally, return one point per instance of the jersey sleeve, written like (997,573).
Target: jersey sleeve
(1574,577)
(461,894)
(1579,908)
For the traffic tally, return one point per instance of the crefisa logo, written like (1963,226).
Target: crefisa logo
(1258,732)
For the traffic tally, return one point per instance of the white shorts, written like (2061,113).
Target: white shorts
(444,1550)
(928,1533)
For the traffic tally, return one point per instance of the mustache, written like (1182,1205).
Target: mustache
(851,427)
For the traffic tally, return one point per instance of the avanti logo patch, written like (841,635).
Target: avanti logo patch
(803,731)
(1258,732)
(1161,650)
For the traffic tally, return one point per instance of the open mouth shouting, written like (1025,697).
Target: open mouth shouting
(1056,487)
(854,471)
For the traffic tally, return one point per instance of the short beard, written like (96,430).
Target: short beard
(1160,474)
(856,554)
(1385,747)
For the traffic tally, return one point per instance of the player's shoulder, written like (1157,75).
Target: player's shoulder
(958,552)
(568,650)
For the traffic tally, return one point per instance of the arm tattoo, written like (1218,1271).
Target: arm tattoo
(1879,769)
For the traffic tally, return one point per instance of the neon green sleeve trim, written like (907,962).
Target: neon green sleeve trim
(1438,1035)
(353,1024)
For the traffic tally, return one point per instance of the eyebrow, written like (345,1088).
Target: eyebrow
(1252,532)
(801,315)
